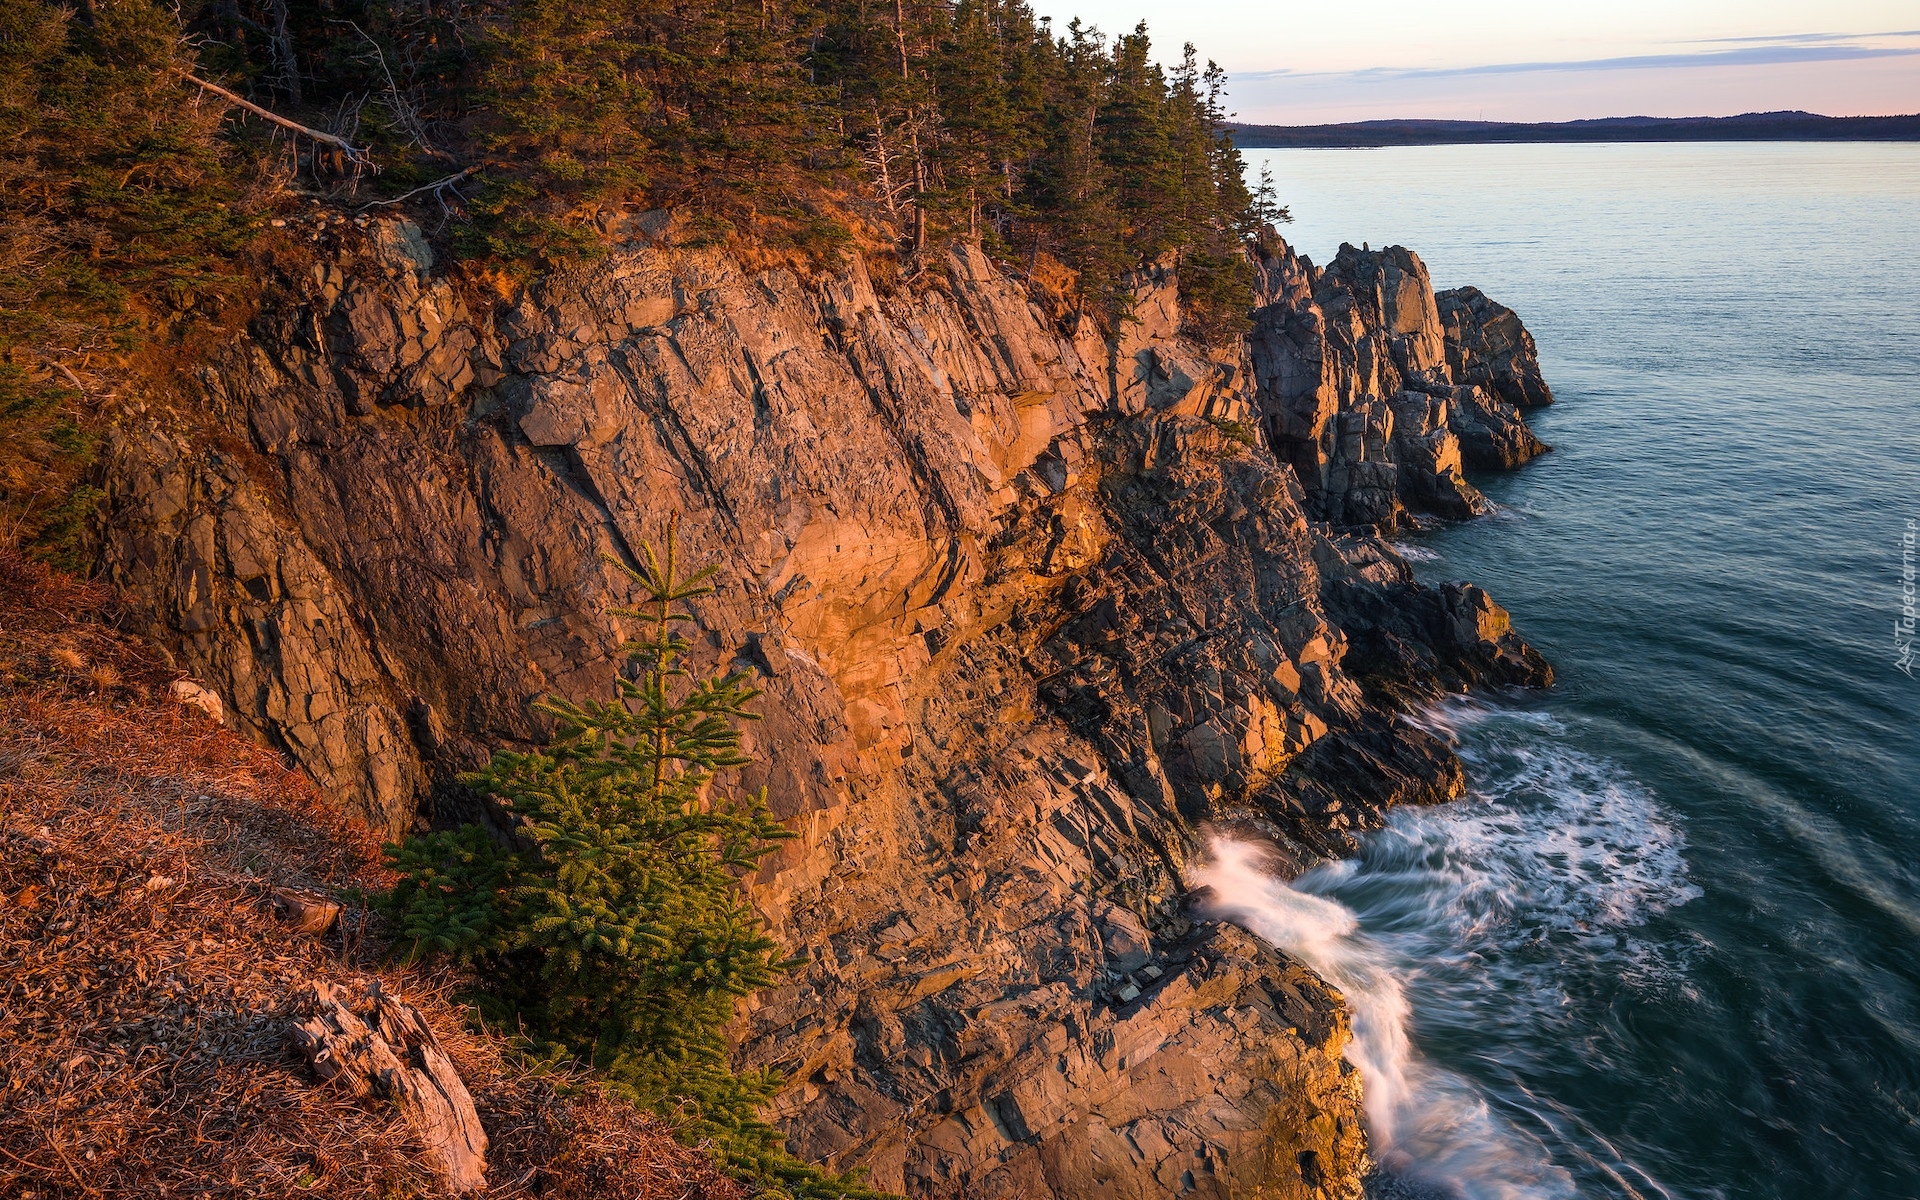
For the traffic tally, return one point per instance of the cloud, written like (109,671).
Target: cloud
(1873,86)
(1807,38)
(1769,51)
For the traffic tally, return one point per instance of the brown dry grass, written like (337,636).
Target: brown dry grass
(146,991)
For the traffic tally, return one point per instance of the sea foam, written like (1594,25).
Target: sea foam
(1464,920)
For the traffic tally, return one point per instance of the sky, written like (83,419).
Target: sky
(1537,60)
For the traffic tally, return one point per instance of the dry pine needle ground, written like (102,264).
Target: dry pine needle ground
(146,990)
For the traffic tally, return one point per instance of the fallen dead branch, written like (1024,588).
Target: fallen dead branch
(392,1054)
(355,155)
(436,187)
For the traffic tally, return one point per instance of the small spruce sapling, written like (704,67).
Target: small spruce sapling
(616,932)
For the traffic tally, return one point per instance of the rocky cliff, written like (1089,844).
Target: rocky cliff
(1031,608)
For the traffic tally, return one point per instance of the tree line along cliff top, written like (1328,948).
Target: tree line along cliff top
(806,123)
(145,148)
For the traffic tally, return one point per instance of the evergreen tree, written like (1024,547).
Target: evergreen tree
(1215,272)
(1191,146)
(980,130)
(614,930)
(568,107)
(1148,192)
(1267,211)
(1069,188)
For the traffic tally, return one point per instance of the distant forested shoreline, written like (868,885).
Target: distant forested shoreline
(1747,127)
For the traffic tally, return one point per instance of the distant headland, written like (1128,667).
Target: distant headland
(1747,127)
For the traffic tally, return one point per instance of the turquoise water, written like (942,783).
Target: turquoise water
(1670,945)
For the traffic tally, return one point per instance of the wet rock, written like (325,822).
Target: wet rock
(1411,642)
(1492,434)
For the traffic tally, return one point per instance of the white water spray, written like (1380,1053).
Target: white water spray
(1480,909)
(1427,1126)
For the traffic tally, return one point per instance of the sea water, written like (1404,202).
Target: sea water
(1669,944)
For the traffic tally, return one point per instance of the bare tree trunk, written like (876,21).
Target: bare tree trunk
(919,194)
(283,54)
(883,163)
(900,35)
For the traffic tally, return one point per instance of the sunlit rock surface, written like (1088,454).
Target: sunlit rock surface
(1029,605)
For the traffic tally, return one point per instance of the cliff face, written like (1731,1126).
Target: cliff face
(1030,608)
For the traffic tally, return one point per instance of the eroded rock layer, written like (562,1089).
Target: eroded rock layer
(1031,608)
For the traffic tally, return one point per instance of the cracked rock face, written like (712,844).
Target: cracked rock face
(1031,608)
(1380,393)
(1488,347)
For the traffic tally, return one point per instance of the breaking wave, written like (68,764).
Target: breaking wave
(1461,925)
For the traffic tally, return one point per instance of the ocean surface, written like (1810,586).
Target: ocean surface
(1669,946)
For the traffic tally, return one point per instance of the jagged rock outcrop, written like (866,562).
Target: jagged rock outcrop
(1380,393)
(1030,607)
(1488,347)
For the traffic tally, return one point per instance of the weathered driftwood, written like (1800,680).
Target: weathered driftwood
(390,1053)
(305,911)
(189,693)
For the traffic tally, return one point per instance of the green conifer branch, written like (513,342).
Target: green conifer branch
(615,929)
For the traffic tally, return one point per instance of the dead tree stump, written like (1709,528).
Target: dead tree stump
(303,910)
(391,1054)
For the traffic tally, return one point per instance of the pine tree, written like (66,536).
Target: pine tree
(1070,188)
(1267,211)
(979,125)
(1215,272)
(1137,152)
(566,114)
(614,930)
(1191,146)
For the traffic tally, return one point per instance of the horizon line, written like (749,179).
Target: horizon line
(1783,113)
